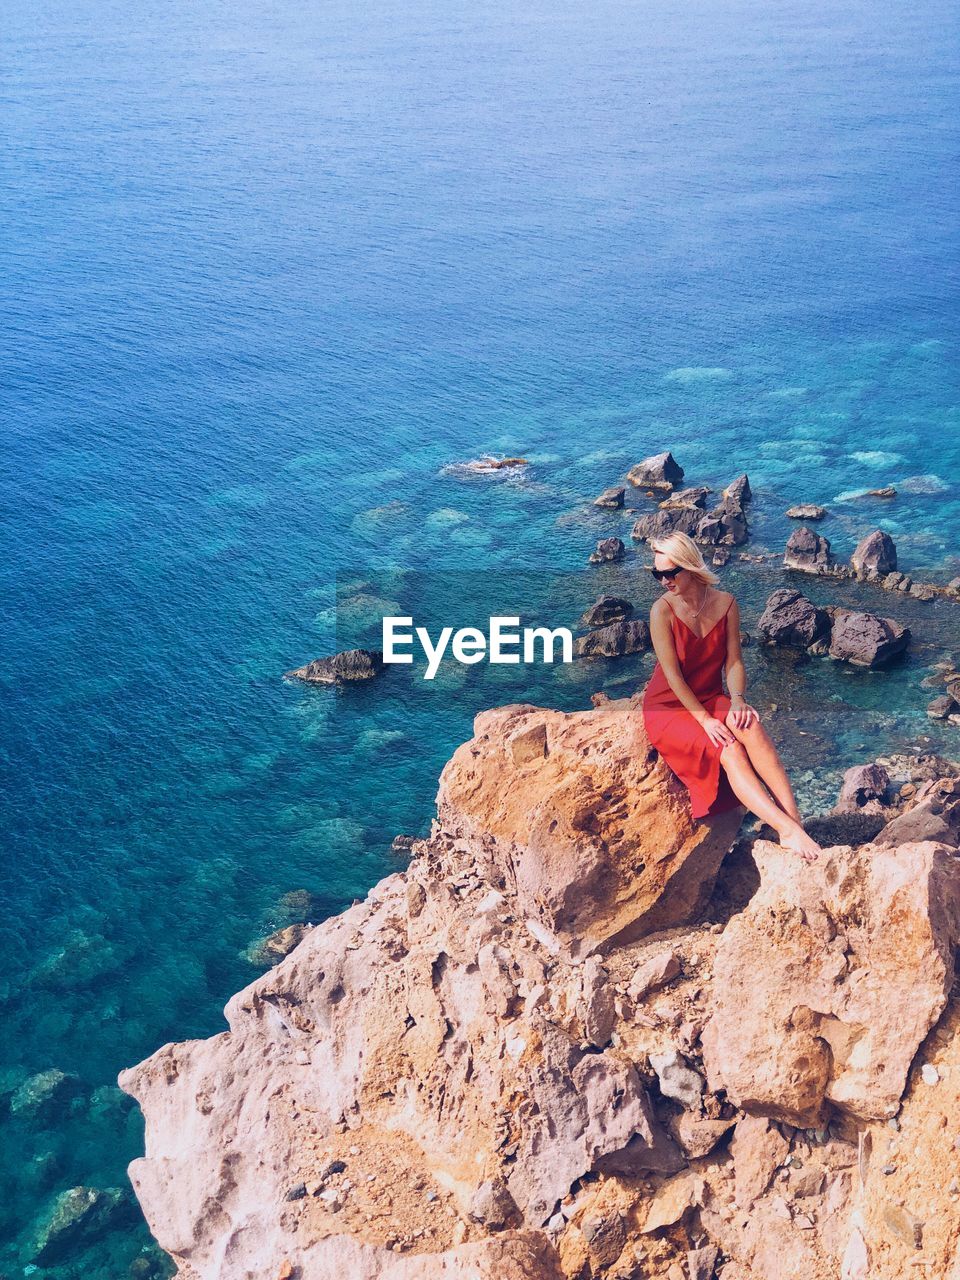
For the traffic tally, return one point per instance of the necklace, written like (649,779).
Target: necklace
(702,602)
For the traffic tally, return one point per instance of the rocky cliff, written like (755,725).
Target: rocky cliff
(561,1045)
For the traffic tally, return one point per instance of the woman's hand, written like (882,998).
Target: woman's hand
(717,732)
(742,715)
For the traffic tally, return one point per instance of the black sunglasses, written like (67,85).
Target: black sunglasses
(660,574)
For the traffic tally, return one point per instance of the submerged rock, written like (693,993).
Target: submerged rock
(277,945)
(342,668)
(76,1218)
(661,471)
(43,1096)
(806,511)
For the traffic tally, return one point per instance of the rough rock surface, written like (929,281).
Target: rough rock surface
(661,471)
(611,498)
(670,520)
(608,551)
(789,618)
(614,640)
(875,554)
(865,639)
(606,609)
(538,1054)
(686,498)
(341,668)
(807,551)
(865,788)
(594,832)
(834,1014)
(806,511)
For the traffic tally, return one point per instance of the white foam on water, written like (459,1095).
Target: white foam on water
(876,458)
(930,483)
(698,373)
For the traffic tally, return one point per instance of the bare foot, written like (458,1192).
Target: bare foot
(799,842)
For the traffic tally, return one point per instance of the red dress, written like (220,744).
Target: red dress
(674,732)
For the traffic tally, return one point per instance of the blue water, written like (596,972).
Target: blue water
(267,271)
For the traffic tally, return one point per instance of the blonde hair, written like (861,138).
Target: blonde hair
(685,553)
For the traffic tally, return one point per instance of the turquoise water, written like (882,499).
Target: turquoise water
(266,274)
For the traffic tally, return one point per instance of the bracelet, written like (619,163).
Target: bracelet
(738,695)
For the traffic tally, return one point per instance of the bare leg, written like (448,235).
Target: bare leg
(764,758)
(750,791)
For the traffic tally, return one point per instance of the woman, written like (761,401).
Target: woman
(714,743)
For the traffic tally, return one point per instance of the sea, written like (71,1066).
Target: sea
(270,274)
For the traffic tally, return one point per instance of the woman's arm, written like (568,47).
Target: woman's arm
(741,712)
(665,649)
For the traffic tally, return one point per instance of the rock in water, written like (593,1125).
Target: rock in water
(807,551)
(738,492)
(789,618)
(865,639)
(611,498)
(42,1097)
(722,527)
(277,945)
(342,668)
(614,640)
(806,511)
(608,551)
(863,785)
(672,520)
(76,1218)
(686,499)
(875,554)
(607,609)
(661,471)
(815,999)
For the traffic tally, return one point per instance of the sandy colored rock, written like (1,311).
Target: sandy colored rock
(596,837)
(829,980)
(439,1083)
(757,1148)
